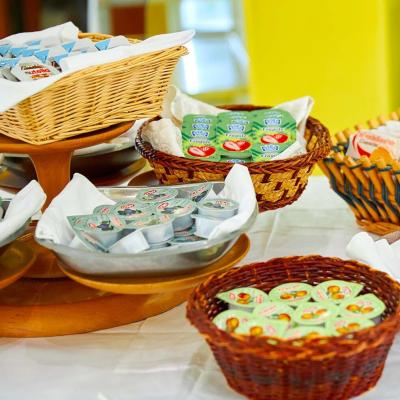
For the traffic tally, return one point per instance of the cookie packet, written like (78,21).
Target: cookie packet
(243,298)
(292,294)
(258,326)
(230,320)
(31,69)
(85,45)
(110,43)
(336,291)
(315,313)
(367,306)
(274,311)
(345,325)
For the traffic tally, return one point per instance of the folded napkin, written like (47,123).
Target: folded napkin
(26,203)
(18,91)
(238,187)
(379,254)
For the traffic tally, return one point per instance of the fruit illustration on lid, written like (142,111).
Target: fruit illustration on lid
(231,324)
(236,145)
(315,313)
(284,317)
(336,291)
(274,138)
(256,331)
(246,297)
(243,298)
(201,151)
(291,293)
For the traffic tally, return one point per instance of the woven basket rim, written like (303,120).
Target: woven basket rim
(321,149)
(319,348)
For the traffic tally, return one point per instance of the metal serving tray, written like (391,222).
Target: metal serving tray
(164,261)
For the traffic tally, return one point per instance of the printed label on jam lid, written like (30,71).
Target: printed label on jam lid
(257,326)
(246,297)
(367,306)
(219,204)
(30,69)
(336,291)
(230,320)
(156,195)
(306,332)
(177,207)
(291,293)
(103,209)
(128,209)
(236,160)
(198,127)
(196,193)
(315,313)
(276,311)
(345,325)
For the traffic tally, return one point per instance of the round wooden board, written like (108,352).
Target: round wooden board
(42,307)
(166,284)
(15,260)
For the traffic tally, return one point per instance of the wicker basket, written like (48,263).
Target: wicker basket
(334,368)
(277,183)
(372,190)
(94,98)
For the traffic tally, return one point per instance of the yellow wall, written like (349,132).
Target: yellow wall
(341,52)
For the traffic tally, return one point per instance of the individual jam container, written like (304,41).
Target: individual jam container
(181,209)
(156,195)
(157,229)
(243,298)
(218,208)
(129,210)
(336,291)
(104,209)
(345,325)
(315,313)
(306,332)
(230,320)
(275,311)
(205,225)
(366,306)
(292,294)
(187,232)
(258,326)
(195,193)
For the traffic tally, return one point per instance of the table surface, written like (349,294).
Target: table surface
(164,357)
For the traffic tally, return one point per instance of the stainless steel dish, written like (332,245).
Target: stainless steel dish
(16,234)
(163,261)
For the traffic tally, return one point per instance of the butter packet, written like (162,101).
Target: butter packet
(258,326)
(230,320)
(306,332)
(274,311)
(45,54)
(292,294)
(345,325)
(245,297)
(110,43)
(315,313)
(366,306)
(273,131)
(336,291)
(31,69)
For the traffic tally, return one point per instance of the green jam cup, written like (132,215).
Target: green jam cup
(243,298)
(367,306)
(258,326)
(315,313)
(292,294)
(230,320)
(274,311)
(306,332)
(345,325)
(336,291)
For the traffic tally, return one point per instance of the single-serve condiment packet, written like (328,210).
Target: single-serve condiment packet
(31,69)
(110,43)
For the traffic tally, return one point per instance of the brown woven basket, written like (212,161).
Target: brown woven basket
(277,183)
(336,368)
(371,189)
(94,98)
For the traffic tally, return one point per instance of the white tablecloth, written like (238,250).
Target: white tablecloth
(164,357)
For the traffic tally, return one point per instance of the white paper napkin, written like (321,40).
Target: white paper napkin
(26,203)
(18,91)
(379,254)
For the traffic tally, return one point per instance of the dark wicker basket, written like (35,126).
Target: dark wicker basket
(334,368)
(277,183)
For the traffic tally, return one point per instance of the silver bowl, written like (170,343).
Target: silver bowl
(169,260)
(16,234)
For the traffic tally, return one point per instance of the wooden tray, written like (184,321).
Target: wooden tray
(167,284)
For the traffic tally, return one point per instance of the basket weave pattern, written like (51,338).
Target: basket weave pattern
(94,98)
(277,183)
(334,368)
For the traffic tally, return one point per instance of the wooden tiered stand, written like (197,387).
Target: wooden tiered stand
(45,302)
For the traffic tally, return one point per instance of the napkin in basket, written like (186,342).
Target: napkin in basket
(26,203)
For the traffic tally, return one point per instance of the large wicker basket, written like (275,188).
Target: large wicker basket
(371,189)
(94,98)
(277,183)
(336,368)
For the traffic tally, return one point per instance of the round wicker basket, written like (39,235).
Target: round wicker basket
(306,369)
(277,183)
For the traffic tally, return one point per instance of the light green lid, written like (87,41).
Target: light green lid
(274,311)
(336,291)
(366,306)
(246,297)
(292,293)
(315,313)
(345,325)
(230,320)
(258,326)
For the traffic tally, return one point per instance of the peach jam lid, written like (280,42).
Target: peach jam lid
(156,195)
(274,311)
(315,313)
(345,325)
(336,291)
(230,320)
(258,326)
(306,332)
(292,293)
(366,306)
(246,297)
